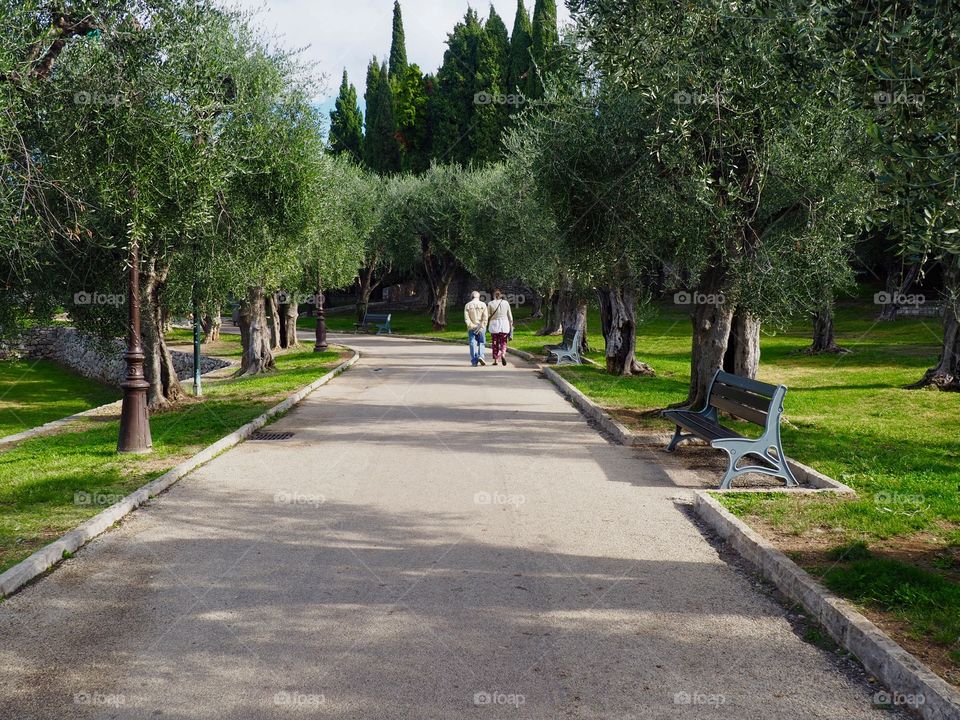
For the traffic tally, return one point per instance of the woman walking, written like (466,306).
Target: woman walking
(501,326)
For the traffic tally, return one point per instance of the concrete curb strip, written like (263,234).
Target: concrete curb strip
(896,668)
(49,555)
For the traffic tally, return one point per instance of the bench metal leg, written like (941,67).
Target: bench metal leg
(678,437)
(737,448)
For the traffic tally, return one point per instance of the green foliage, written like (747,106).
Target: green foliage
(543,45)
(398,45)
(381,153)
(346,123)
(467,120)
(411,109)
(521,41)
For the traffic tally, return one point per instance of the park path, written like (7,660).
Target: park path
(435,541)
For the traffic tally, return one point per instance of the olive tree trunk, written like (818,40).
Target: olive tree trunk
(165,390)
(365,285)
(255,334)
(289,314)
(618,318)
(898,283)
(742,356)
(946,374)
(711,322)
(552,316)
(824,340)
(210,324)
(439,272)
(272,310)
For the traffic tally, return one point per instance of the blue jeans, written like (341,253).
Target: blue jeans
(477,345)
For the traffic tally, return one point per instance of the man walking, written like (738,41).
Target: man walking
(475,315)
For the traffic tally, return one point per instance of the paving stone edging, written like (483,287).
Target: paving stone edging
(49,555)
(896,668)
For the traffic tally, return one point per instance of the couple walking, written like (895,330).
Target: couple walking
(496,315)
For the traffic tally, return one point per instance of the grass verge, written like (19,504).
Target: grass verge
(34,392)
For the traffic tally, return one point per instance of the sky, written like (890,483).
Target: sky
(338,34)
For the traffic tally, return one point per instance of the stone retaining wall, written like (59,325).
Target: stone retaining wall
(98,361)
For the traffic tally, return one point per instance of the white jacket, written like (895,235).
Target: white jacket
(501,316)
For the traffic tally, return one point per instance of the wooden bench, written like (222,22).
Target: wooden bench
(750,400)
(569,349)
(379,320)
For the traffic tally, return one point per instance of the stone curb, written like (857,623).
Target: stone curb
(49,555)
(896,668)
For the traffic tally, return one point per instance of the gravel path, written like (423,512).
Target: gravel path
(434,541)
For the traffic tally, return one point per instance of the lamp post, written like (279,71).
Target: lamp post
(134,420)
(320,335)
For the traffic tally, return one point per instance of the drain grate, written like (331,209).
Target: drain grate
(259,435)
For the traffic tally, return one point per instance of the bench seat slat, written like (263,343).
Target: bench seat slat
(754,386)
(700,425)
(738,395)
(739,410)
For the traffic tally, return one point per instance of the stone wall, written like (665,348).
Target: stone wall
(98,361)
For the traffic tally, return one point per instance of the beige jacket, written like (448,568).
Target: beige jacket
(475,315)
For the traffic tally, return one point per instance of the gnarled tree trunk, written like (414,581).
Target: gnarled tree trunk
(272,310)
(946,374)
(823,336)
(573,314)
(365,286)
(742,356)
(536,310)
(552,322)
(165,389)
(255,334)
(210,324)
(898,283)
(289,314)
(618,318)
(711,322)
(440,272)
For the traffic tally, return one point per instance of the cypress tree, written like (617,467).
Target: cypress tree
(398,47)
(380,150)
(346,123)
(520,43)
(546,37)
(497,32)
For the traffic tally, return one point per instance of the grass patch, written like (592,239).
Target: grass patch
(228,346)
(34,392)
(49,485)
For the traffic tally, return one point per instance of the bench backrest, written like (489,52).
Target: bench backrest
(571,338)
(747,399)
(376,317)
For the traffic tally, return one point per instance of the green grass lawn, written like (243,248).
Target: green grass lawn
(50,484)
(34,392)
(228,346)
(849,417)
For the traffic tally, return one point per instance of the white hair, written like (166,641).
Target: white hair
(475,294)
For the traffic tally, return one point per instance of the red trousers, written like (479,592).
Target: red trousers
(499,344)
